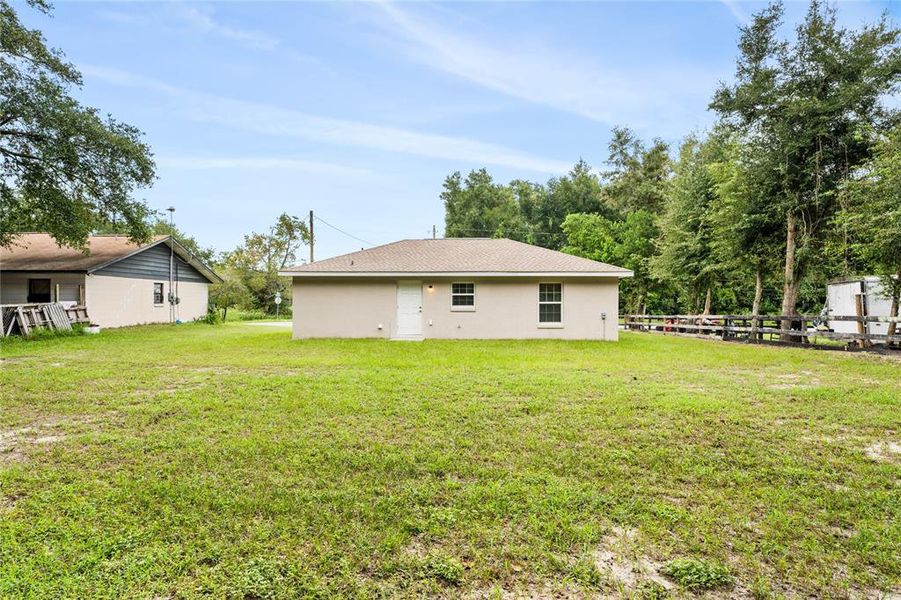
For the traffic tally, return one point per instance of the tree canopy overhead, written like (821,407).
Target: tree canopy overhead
(65,168)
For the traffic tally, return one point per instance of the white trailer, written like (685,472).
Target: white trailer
(841,300)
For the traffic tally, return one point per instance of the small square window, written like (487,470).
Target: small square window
(463,294)
(158,293)
(550,302)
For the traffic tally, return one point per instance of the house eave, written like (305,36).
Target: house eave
(427,274)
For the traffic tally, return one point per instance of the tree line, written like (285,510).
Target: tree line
(797,183)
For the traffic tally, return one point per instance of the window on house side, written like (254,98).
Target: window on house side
(39,290)
(463,294)
(550,302)
(157,293)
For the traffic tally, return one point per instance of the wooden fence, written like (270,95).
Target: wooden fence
(805,329)
(23,319)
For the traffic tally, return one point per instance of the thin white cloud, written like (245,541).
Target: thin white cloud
(179,18)
(740,15)
(270,120)
(257,162)
(203,20)
(546,76)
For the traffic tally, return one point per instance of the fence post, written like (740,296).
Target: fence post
(861,323)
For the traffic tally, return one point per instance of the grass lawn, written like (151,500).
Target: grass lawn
(231,461)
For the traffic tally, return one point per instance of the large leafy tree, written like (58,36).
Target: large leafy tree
(637,176)
(810,111)
(64,168)
(478,207)
(748,226)
(207,254)
(626,243)
(874,216)
(579,191)
(687,229)
(262,255)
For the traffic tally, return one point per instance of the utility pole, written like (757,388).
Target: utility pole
(311,236)
(434,232)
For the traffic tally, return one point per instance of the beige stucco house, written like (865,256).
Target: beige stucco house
(120,282)
(456,288)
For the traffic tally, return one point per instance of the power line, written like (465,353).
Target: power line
(339,230)
(493,231)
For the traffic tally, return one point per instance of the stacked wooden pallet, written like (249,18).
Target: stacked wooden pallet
(25,318)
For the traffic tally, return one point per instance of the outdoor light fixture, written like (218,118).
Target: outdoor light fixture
(430,286)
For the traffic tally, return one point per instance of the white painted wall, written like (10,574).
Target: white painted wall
(121,301)
(505,309)
(348,309)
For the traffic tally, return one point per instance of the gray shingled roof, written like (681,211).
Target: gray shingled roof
(457,255)
(40,252)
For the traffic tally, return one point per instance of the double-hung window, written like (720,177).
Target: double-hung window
(157,293)
(550,303)
(463,296)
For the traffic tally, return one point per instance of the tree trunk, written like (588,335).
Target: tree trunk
(224,313)
(755,308)
(708,302)
(790,289)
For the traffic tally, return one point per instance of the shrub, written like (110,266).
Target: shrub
(697,574)
(211,317)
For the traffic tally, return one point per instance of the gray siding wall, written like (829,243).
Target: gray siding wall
(152,263)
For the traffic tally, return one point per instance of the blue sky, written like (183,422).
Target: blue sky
(359,110)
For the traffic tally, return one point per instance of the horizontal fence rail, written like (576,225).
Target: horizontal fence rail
(803,329)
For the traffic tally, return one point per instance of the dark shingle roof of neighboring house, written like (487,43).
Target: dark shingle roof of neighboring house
(40,252)
(496,257)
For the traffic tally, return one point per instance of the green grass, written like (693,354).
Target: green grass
(230,461)
(693,573)
(237,314)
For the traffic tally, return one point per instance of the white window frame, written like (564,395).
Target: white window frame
(550,324)
(463,307)
(163,296)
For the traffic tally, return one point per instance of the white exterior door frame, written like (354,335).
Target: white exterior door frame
(409,309)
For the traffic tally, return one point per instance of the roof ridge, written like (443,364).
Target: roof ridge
(458,255)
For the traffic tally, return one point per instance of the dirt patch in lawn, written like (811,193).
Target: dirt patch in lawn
(630,570)
(886,451)
(15,443)
(795,381)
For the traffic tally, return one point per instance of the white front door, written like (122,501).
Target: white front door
(409,308)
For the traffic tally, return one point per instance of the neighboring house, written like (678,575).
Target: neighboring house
(456,288)
(120,282)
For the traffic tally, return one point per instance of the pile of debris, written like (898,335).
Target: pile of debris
(23,319)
